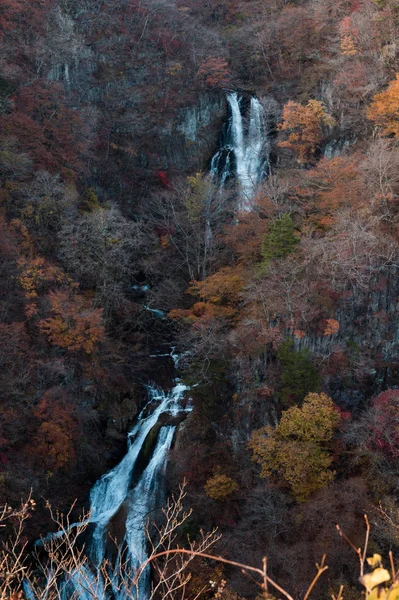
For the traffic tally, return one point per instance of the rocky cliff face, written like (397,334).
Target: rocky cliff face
(367,340)
(191,140)
(137,88)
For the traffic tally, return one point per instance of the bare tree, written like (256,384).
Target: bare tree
(103,250)
(190,218)
(60,567)
(65,571)
(381,171)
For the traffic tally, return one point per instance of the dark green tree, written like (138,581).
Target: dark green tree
(90,201)
(299,375)
(280,241)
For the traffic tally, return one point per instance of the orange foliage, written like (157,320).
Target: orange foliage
(35,274)
(326,222)
(245,236)
(334,184)
(384,110)
(220,295)
(206,311)
(223,287)
(26,242)
(304,125)
(332,326)
(214,70)
(348,37)
(74,325)
(298,333)
(55,437)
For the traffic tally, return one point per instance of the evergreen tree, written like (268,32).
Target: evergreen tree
(280,241)
(299,375)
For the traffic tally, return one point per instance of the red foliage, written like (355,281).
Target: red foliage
(385,424)
(345,415)
(164,179)
(215,72)
(386,400)
(46,128)
(57,430)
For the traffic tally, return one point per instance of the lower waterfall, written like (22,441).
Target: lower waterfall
(113,488)
(136,489)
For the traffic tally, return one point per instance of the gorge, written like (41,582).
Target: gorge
(220,178)
(134,487)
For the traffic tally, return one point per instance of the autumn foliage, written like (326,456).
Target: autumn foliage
(218,294)
(57,429)
(214,70)
(74,325)
(220,486)
(304,126)
(296,451)
(384,110)
(110,113)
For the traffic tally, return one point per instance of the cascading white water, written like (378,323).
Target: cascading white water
(247,144)
(108,494)
(83,584)
(255,149)
(115,489)
(112,489)
(244,148)
(142,501)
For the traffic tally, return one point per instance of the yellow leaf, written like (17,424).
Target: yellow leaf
(393,593)
(378,576)
(374,561)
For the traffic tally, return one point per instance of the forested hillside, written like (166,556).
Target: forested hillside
(121,236)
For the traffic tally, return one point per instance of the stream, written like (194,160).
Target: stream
(131,491)
(134,488)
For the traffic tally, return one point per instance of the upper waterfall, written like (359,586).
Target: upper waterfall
(244,149)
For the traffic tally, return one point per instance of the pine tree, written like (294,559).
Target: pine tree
(299,375)
(280,241)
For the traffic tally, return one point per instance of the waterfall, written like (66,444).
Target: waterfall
(83,584)
(244,149)
(137,485)
(113,489)
(142,501)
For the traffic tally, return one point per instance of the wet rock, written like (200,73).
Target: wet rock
(121,415)
(166,419)
(191,140)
